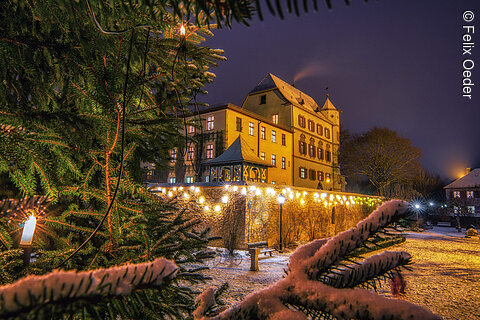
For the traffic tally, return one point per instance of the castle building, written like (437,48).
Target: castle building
(278,136)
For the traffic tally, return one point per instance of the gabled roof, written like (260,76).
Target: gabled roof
(238,152)
(471,180)
(291,94)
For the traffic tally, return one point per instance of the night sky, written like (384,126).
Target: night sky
(393,64)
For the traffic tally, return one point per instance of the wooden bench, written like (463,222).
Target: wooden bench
(263,246)
(254,249)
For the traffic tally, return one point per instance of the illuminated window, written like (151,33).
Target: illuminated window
(301,121)
(303,173)
(284,140)
(456,194)
(191,129)
(173,155)
(275,118)
(262,155)
(190,152)
(262,132)
(207,178)
(302,147)
(263,99)
(320,153)
(251,129)
(209,151)
(470,194)
(327,177)
(327,133)
(274,136)
(283,162)
(150,174)
(328,156)
(274,160)
(311,125)
(189,179)
(210,122)
(171,180)
(471,209)
(239,124)
(320,129)
(320,175)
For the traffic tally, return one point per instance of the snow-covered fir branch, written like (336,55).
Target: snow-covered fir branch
(69,286)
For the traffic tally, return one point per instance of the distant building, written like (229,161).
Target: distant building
(463,195)
(279,136)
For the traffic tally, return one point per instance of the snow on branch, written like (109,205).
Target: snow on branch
(315,285)
(61,286)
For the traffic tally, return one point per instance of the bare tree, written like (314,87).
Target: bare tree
(383,158)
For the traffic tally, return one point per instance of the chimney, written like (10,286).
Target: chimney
(467,170)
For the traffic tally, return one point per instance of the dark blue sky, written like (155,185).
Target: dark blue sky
(393,64)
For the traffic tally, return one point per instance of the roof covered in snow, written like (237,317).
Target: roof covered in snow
(238,152)
(470,180)
(291,94)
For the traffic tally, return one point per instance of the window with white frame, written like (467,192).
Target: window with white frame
(262,132)
(283,163)
(327,133)
(274,136)
(470,194)
(210,122)
(173,155)
(209,151)
(190,153)
(262,155)
(303,173)
(274,160)
(251,129)
(171,180)
(471,209)
(456,194)
(191,129)
(189,179)
(275,118)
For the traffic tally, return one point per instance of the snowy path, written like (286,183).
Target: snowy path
(445,276)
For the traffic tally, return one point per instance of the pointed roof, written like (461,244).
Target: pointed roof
(289,92)
(328,105)
(238,152)
(471,180)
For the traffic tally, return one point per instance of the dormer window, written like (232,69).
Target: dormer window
(263,99)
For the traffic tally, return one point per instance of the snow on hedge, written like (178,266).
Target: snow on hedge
(303,288)
(31,291)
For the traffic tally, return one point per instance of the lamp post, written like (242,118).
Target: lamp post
(27,238)
(417,208)
(281,200)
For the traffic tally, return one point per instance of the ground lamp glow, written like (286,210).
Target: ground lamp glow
(281,200)
(27,238)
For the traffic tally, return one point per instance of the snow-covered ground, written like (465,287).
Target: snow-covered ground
(445,276)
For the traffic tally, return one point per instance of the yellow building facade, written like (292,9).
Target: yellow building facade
(280,129)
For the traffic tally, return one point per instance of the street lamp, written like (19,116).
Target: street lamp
(417,209)
(27,238)
(281,200)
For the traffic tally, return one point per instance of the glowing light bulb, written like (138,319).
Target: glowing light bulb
(174,189)
(192,188)
(298,194)
(28,231)
(218,208)
(258,192)
(197,189)
(290,195)
(235,189)
(227,186)
(323,195)
(225,199)
(244,191)
(201,200)
(170,194)
(180,189)
(186,196)
(316,195)
(182,30)
(206,208)
(302,202)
